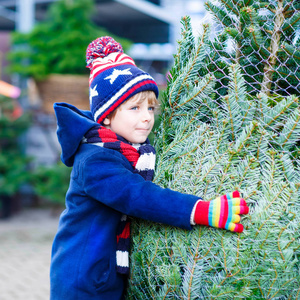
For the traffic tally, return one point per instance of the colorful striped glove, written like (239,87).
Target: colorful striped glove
(223,212)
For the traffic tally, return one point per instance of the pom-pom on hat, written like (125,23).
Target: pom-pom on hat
(114,77)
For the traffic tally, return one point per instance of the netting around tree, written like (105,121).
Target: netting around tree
(261,36)
(230,120)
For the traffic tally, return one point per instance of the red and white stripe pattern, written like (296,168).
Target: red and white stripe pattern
(112,60)
(142,159)
(146,160)
(123,242)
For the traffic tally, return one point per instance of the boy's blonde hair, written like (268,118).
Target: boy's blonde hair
(139,97)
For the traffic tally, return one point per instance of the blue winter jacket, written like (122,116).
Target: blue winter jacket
(102,188)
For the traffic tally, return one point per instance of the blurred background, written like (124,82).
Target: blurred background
(42,57)
(42,61)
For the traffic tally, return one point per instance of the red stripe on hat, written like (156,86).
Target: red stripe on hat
(118,56)
(125,57)
(223,212)
(114,60)
(121,99)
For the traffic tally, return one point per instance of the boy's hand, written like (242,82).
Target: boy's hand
(223,212)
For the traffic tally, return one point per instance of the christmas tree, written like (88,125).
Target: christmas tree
(264,41)
(208,145)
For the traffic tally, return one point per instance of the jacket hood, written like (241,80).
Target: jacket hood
(72,124)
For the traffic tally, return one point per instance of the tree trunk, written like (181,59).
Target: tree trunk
(270,64)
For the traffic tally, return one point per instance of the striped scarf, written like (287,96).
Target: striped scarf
(142,159)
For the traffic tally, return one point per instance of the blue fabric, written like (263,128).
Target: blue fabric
(102,188)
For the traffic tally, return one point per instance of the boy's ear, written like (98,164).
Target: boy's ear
(106,122)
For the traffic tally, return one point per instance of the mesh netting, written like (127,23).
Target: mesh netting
(230,120)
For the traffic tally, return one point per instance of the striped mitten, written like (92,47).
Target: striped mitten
(223,212)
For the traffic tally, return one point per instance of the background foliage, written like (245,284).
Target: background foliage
(51,183)
(13,161)
(58,44)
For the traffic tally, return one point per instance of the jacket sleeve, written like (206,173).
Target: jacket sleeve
(106,178)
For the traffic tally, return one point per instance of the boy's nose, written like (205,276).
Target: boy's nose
(146,117)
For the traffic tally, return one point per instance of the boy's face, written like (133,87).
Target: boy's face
(133,120)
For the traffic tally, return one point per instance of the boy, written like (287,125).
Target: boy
(113,165)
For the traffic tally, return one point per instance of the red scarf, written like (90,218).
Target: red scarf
(142,159)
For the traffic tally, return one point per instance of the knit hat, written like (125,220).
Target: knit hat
(114,77)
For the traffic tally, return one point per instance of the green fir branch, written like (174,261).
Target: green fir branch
(291,52)
(219,13)
(249,17)
(189,71)
(291,23)
(273,116)
(230,6)
(290,134)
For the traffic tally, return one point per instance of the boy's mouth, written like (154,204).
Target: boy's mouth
(143,129)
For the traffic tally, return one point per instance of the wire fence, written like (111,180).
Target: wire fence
(230,120)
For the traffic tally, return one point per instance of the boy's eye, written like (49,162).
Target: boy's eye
(152,108)
(134,108)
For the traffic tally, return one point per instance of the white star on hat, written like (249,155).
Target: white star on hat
(116,73)
(93,93)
